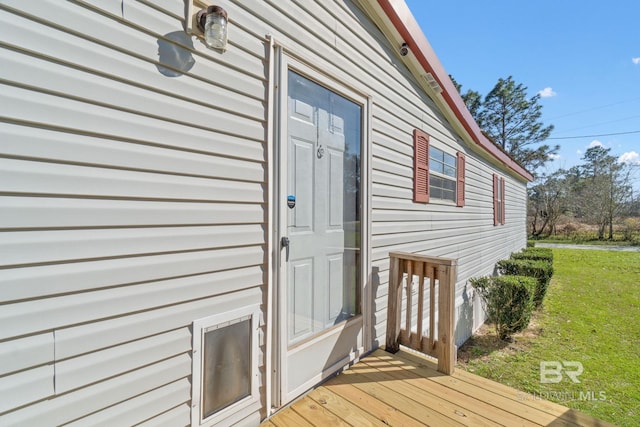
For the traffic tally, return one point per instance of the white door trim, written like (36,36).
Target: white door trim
(284,61)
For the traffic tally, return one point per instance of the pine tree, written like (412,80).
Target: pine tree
(512,121)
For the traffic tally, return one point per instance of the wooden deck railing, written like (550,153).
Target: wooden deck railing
(414,331)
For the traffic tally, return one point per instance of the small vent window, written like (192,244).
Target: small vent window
(224,367)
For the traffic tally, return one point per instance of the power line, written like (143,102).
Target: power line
(593,136)
(593,108)
(590,125)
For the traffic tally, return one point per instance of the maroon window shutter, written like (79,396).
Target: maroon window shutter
(460,196)
(502,216)
(495,200)
(420,166)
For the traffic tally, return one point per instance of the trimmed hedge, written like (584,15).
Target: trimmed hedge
(537,254)
(508,300)
(540,270)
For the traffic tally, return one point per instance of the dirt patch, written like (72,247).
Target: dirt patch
(485,343)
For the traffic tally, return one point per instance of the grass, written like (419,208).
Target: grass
(620,238)
(585,241)
(591,315)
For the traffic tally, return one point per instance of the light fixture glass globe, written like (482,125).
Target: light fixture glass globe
(215,30)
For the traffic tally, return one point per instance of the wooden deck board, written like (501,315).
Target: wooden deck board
(380,410)
(503,410)
(460,410)
(558,411)
(316,413)
(344,409)
(378,390)
(405,389)
(289,418)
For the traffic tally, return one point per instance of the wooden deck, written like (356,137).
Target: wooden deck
(407,390)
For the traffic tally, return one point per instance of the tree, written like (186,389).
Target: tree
(601,189)
(471,98)
(548,200)
(512,121)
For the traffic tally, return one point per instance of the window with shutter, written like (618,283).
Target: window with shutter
(496,203)
(436,173)
(420,166)
(498,200)
(502,208)
(460,196)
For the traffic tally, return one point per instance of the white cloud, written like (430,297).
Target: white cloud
(547,92)
(630,158)
(579,152)
(636,60)
(555,156)
(595,143)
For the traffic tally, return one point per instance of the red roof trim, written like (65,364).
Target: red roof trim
(407,26)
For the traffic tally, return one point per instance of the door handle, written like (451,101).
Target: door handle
(284,244)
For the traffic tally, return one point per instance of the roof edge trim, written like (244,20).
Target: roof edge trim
(405,23)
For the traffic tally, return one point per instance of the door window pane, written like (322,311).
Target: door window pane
(324,169)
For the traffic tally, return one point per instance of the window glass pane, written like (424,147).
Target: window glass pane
(448,184)
(436,192)
(442,188)
(348,305)
(442,166)
(324,174)
(450,171)
(450,160)
(435,166)
(436,154)
(227,366)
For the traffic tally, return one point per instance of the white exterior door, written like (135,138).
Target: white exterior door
(321,239)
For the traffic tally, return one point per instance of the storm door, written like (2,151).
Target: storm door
(321,241)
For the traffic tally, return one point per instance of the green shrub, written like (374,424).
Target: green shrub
(540,270)
(508,301)
(531,244)
(536,254)
(547,251)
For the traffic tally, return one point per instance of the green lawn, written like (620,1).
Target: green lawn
(591,315)
(587,240)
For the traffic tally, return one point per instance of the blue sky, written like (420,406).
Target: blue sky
(582,56)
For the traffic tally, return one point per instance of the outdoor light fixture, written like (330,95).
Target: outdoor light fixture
(213,21)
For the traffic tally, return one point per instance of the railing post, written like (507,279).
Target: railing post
(394,305)
(446,307)
(431,272)
(405,333)
(416,343)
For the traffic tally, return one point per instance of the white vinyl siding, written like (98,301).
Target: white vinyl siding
(437,228)
(131,204)
(133,194)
